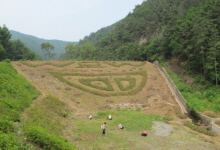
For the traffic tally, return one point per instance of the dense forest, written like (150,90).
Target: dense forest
(13,49)
(184,30)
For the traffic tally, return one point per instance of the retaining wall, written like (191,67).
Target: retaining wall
(205,120)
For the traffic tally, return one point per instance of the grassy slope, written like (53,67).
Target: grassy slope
(16,94)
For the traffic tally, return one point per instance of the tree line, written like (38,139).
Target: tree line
(16,50)
(13,49)
(187,30)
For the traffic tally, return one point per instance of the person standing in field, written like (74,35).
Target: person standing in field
(103,127)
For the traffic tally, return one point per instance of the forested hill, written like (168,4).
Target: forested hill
(34,43)
(187,30)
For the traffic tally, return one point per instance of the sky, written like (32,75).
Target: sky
(67,20)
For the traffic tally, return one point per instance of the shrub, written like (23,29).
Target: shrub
(6,126)
(199,79)
(48,141)
(8,142)
(7,60)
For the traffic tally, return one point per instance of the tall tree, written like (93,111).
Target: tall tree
(71,50)
(5,37)
(47,49)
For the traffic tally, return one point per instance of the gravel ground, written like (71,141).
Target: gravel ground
(162,129)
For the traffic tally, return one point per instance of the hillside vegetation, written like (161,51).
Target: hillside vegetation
(13,49)
(187,30)
(16,94)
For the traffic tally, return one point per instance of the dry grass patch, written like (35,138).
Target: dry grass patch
(89,64)
(211,114)
(43,63)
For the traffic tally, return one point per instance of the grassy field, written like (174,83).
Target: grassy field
(135,94)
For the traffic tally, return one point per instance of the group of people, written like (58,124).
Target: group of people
(103,127)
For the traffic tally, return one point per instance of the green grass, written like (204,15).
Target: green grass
(60,76)
(16,94)
(45,63)
(134,122)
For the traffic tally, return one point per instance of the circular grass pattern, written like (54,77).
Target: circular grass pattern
(131,83)
(89,82)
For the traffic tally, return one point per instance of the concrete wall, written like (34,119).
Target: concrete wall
(215,128)
(205,119)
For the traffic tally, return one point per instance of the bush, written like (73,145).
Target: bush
(6,126)
(48,141)
(199,79)
(8,141)
(7,60)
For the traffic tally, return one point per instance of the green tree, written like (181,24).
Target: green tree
(2,52)
(5,37)
(47,49)
(71,50)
